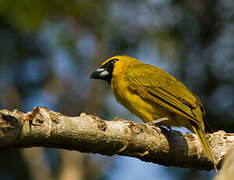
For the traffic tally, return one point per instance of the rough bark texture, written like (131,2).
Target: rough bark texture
(227,171)
(88,133)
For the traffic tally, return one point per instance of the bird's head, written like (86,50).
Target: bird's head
(113,67)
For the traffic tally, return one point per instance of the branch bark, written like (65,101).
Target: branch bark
(88,133)
(227,170)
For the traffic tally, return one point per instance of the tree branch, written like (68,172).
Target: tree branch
(88,133)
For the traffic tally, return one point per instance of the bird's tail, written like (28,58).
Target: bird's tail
(206,145)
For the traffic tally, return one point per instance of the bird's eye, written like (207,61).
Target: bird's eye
(110,64)
(112,61)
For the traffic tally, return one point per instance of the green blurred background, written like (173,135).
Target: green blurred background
(49,48)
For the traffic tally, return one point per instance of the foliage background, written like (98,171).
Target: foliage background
(49,48)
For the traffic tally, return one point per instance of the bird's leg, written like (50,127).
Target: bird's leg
(156,121)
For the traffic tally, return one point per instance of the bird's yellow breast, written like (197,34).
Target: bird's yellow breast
(146,110)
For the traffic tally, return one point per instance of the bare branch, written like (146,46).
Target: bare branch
(87,133)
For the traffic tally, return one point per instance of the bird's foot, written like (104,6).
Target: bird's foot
(168,128)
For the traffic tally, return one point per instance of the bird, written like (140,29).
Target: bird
(155,96)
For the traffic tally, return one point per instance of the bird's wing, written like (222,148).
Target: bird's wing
(160,87)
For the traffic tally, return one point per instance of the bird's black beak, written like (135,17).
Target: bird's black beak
(105,72)
(100,73)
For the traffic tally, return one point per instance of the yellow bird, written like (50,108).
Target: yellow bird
(154,96)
